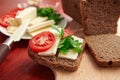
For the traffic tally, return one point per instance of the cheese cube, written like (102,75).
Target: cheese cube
(27,13)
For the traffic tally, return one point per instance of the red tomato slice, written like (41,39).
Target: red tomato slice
(4,18)
(67,32)
(42,42)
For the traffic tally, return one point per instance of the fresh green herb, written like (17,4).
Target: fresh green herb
(61,31)
(69,43)
(50,13)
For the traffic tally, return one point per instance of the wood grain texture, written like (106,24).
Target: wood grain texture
(89,70)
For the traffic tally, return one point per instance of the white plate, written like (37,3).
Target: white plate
(3,30)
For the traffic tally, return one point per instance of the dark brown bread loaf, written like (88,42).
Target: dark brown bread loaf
(97,16)
(55,62)
(105,49)
(72,8)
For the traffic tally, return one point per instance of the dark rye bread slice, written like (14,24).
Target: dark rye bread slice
(105,49)
(96,16)
(56,62)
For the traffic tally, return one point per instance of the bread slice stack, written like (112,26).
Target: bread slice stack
(105,49)
(96,16)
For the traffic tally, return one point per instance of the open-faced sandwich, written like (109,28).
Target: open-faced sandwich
(57,48)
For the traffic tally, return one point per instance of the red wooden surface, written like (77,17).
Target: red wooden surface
(17,65)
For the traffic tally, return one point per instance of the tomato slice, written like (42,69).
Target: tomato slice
(67,32)
(42,41)
(4,18)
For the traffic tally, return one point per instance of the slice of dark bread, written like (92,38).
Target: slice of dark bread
(96,16)
(55,62)
(105,49)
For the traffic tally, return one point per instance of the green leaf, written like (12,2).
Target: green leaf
(62,32)
(50,13)
(78,49)
(75,43)
(62,41)
(63,51)
(69,43)
(60,46)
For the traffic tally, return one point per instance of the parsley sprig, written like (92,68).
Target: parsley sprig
(69,43)
(50,13)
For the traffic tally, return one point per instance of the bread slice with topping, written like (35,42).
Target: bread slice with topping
(59,61)
(105,49)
